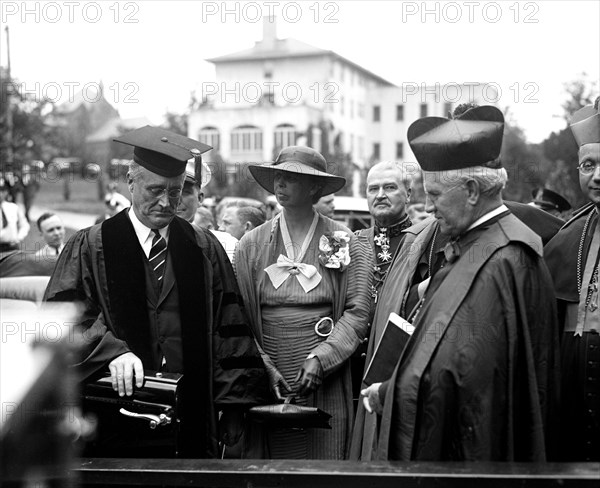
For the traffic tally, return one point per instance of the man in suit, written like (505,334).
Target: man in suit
(52,230)
(159,294)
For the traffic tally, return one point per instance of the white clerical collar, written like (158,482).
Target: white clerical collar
(143,232)
(488,216)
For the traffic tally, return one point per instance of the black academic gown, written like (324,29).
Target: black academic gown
(102,267)
(478,381)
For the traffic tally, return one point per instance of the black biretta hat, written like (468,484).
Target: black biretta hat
(161,151)
(472,139)
(585,125)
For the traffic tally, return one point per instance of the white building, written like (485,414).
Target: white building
(283,91)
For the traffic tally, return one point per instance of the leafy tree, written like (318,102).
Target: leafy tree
(33,137)
(560,147)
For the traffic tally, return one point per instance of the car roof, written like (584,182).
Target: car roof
(347,204)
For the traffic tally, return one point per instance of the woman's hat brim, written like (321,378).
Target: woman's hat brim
(264,175)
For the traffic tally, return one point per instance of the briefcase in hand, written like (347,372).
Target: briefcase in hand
(145,424)
(289,415)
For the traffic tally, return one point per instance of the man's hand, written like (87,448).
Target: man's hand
(231,425)
(371,399)
(122,369)
(309,377)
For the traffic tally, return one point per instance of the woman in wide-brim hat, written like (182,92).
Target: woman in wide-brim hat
(305,280)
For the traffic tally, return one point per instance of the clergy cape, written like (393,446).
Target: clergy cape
(400,274)
(351,298)
(580,355)
(102,267)
(478,380)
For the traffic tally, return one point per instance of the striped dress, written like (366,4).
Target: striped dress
(285,318)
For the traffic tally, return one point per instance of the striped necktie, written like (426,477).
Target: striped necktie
(158,255)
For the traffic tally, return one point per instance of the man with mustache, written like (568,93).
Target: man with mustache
(159,294)
(389,186)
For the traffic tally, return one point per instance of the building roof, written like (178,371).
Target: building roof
(89,99)
(113,128)
(272,48)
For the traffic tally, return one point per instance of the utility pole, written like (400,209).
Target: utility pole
(9,113)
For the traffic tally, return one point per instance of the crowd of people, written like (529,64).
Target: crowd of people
(502,359)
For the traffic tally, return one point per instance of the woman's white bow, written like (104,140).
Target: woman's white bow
(306,274)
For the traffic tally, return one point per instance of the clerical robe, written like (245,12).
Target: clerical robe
(477,380)
(568,255)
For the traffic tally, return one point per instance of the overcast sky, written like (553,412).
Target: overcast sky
(150,54)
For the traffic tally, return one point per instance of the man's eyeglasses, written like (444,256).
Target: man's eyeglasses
(172,193)
(587,167)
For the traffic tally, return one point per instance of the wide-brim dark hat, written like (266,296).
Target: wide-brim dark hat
(472,139)
(300,160)
(550,199)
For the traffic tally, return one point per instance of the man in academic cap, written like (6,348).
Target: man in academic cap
(160,295)
(572,257)
(477,379)
(550,201)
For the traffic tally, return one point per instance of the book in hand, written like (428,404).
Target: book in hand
(388,350)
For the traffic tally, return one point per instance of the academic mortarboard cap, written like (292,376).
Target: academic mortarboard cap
(585,125)
(546,198)
(472,139)
(193,173)
(161,151)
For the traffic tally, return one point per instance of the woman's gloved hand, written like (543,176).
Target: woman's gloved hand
(310,377)
(276,380)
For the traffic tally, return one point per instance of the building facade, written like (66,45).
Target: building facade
(283,91)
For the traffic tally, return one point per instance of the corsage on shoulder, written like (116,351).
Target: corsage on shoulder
(334,250)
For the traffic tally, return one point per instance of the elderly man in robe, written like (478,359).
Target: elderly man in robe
(159,294)
(477,379)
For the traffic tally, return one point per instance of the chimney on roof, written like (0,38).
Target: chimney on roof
(269,32)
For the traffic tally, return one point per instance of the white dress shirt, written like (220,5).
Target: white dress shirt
(15,228)
(145,234)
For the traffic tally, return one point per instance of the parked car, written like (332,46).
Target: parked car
(353,212)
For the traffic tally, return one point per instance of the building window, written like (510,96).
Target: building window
(376,113)
(447,109)
(399,112)
(351,109)
(246,139)
(284,135)
(376,150)
(399,150)
(423,110)
(361,110)
(210,136)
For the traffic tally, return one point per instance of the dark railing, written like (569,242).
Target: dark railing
(331,474)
